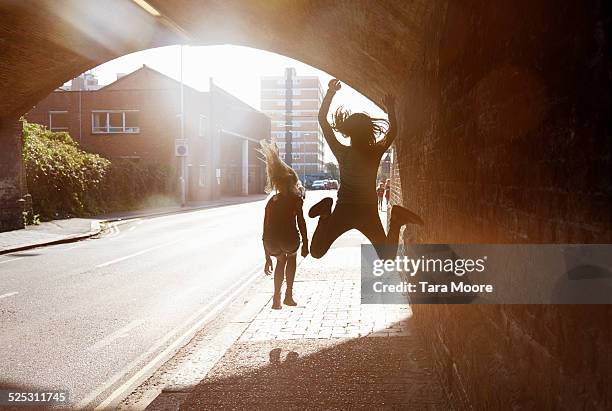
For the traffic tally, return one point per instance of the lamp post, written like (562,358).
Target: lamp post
(183,177)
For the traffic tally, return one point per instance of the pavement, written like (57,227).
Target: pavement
(74,229)
(329,352)
(173,312)
(52,232)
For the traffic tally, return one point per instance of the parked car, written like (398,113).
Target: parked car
(319,185)
(332,184)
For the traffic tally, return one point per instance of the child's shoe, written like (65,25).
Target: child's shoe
(401,215)
(276,303)
(322,208)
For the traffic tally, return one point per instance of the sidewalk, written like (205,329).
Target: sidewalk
(330,352)
(51,232)
(73,229)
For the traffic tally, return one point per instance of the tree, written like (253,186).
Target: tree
(332,170)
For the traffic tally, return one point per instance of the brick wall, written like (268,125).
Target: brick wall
(157,99)
(510,143)
(11,183)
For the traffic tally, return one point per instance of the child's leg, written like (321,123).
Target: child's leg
(330,228)
(279,274)
(372,228)
(386,245)
(290,277)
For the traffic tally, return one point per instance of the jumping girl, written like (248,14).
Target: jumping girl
(356,206)
(280,235)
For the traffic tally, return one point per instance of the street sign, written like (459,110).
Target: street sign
(180,147)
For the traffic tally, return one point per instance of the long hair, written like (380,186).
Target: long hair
(281,177)
(362,129)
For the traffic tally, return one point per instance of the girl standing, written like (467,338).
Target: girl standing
(280,235)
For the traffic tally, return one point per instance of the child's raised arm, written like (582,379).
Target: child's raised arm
(328,132)
(389,103)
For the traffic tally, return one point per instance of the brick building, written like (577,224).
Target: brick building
(138,117)
(293,103)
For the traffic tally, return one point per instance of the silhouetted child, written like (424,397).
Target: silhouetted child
(380,192)
(280,235)
(388,191)
(356,205)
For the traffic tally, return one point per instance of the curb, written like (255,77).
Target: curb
(97,226)
(171,396)
(180,211)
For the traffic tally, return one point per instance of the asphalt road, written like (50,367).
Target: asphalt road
(86,317)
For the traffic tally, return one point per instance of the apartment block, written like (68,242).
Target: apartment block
(293,102)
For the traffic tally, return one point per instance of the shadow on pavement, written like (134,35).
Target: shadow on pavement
(369,373)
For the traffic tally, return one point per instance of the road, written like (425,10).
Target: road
(85,317)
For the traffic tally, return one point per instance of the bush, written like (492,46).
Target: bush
(66,181)
(58,172)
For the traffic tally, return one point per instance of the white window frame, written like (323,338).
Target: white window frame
(202,125)
(51,112)
(124,129)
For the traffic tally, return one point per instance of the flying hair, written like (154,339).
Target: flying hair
(281,177)
(359,127)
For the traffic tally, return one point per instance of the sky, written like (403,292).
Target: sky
(234,68)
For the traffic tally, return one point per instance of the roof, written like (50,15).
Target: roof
(146,68)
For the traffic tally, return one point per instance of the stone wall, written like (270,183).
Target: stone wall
(511,143)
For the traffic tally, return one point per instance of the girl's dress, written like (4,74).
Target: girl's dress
(280,233)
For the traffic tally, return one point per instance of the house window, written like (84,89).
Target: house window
(202,125)
(202,177)
(58,120)
(115,121)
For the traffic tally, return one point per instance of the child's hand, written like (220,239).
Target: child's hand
(268,266)
(334,85)
(304,249)
(388,102)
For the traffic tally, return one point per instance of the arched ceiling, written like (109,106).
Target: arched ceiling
(375,46)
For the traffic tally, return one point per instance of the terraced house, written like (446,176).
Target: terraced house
(138,117)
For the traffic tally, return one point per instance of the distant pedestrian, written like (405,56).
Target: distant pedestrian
(380,192)
(280,234)
(388,191)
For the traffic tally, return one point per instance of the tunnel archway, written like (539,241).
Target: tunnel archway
(504,138)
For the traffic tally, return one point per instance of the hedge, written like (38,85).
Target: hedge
(66,181)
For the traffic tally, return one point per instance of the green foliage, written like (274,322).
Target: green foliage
(128,184)
(66,181)
(27,221)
